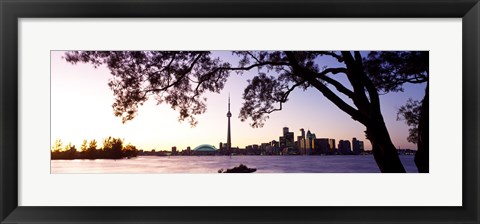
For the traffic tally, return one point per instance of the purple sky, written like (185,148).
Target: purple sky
(81,109)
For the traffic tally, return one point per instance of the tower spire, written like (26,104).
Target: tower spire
(229,140)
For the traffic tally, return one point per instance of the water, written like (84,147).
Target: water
(211,164)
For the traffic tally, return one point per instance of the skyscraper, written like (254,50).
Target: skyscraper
(229,139)
(310,142)
(331,143)
(357,146)
(301,141)
(344,147)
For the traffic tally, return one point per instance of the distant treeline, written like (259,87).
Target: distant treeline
(112,149)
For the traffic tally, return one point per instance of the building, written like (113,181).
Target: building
(226,148)
(301,141)
(310,143)
(274,144)
(204,150)
(282,142)
(265,148)
(186,152)
(323,146)
(286,143)
(344,147)
(290,140)
(287,140)
(275,147)
(332,150)
(357,146)
(252,149)
(229,139)
(303,146)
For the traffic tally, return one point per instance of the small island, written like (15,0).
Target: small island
(113,148)
(238,169)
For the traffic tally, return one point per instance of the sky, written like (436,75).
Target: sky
(81,108)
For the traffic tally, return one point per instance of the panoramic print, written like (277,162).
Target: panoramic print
(142,112)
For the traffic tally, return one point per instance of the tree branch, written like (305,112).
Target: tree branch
(253,56)
(281,100)
(331,53)
(189,69)
(356,77)
(371,89)
(299,71)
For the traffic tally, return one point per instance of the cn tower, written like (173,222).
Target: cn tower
(229,140)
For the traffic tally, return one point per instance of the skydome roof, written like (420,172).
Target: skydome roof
(205,148)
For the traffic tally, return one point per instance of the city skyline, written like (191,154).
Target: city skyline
(81,109)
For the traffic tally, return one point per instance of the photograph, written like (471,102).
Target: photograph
(226,111)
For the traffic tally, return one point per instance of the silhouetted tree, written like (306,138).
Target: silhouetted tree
(130,151)
(389,71)
(410,113)
(107,147)
(112,147)
(117,147)
(68,147)
(180,78)
(92,145)
(92,149)
(67,152)
(57,145)
(71,151)
(84,146)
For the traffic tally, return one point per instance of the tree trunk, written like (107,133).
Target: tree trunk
(422,155)
(384,151)
(368,112)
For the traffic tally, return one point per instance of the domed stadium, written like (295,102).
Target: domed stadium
(204,149)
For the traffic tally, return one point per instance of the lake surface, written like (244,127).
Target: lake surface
(211,164)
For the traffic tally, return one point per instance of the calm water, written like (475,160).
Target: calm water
(211,164)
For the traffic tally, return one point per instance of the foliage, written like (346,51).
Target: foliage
(130,151)
(69,146)
(389,70)
(410,113)
(57,145)
(178,78)
(112,149)
(84,147)
(92,145)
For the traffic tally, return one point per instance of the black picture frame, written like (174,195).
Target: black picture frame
(11,11)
